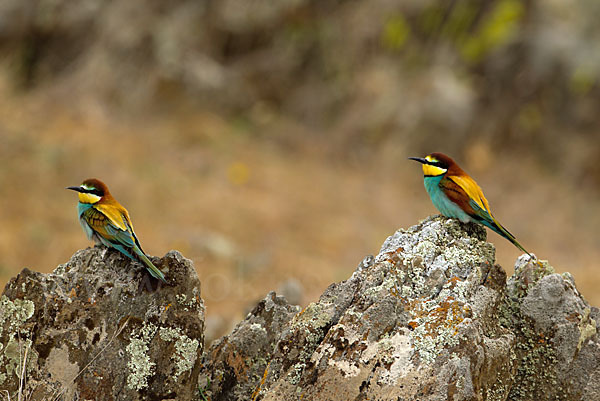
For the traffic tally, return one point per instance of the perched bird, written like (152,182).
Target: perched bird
(107,222)
(457,195)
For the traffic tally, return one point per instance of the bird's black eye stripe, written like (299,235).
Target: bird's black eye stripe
(438,164)
(94,191)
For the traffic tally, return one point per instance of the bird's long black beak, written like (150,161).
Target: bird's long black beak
(78,189)
(419,159)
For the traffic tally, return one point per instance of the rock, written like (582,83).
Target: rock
(235,364)
(558,343)
(412,325)
(99,328)
(429,318)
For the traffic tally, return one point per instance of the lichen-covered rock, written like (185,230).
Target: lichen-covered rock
(432,318)
(235,363)
(413,323)
(99,328)
(558,343)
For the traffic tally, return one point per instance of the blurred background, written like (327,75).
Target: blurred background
(267,141)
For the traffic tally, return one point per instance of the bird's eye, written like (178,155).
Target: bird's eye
(94,191)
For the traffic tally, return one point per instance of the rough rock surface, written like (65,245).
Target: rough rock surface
(430,318)
(235,363)
(99,328)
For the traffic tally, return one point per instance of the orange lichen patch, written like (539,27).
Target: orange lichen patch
(449,314)
(405,302)
(453,281)
(393,256)
(446,314)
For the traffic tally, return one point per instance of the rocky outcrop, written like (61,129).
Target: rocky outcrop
(99,328)
(235,363)
(431,317)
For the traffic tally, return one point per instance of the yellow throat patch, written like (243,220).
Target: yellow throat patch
(88,198)
(430,170)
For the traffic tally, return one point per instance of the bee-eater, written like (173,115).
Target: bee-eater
(457,195)
(107,222)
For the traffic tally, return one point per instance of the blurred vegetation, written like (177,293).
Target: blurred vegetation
(280,112)
(520,75)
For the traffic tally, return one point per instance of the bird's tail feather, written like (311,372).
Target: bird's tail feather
(500,230)
(150,266)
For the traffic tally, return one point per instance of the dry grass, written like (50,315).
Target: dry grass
(251,212)
(21,395)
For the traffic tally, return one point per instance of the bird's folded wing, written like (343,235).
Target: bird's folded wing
(470,187)
(114,215)
(119,218)
(456,194)
(479,205)
(103,225)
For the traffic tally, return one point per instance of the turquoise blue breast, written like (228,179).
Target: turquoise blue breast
(81,208)
(441,201)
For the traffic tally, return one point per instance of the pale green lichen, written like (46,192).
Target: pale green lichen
(140,367)
(436,322)
(587,328)
(312,339)
(533,373)
(183,300)
(15,312)
(296,373)
(313,316)
(534,354)
(186,349)
(14,354)
(386,286)
(12,316)
(311,321)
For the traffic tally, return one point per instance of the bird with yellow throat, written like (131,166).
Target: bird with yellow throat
(455,194)
(107,222)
